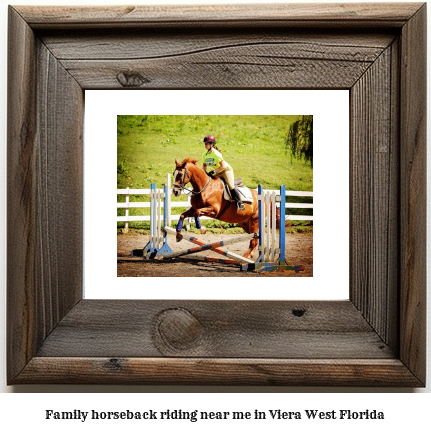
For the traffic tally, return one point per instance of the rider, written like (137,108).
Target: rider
(213,160)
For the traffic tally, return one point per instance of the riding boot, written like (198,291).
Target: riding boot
(237,197)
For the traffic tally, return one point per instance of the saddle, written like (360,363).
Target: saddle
(245,192)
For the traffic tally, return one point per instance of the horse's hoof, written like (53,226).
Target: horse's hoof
(203,230)
(179,237)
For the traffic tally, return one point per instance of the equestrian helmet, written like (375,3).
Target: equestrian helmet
(209,139)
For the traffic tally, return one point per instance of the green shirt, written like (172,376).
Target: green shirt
(212,160)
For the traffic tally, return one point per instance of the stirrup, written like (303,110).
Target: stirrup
(241,205)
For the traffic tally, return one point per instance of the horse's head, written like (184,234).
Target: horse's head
(181,177)
(185,172)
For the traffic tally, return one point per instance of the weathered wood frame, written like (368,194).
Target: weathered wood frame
(376,338)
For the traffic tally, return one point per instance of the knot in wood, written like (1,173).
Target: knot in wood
(298,312)
(178,329)
(115,363)
(131,79)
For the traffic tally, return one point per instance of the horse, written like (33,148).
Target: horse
(207,200)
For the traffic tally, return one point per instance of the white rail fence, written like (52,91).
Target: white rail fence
(186,204)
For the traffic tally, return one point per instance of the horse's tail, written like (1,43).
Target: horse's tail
(277,217)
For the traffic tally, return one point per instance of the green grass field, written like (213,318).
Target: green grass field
(253,145)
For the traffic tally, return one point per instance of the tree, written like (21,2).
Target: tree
(299,139)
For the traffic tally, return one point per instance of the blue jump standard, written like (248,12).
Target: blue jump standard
(280,265)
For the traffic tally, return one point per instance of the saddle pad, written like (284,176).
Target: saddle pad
(245,193)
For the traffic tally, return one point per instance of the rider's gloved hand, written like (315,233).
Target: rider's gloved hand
(211,173)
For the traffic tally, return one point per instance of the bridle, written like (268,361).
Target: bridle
(182,184)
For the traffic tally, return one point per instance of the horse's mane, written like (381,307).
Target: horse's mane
(189,160)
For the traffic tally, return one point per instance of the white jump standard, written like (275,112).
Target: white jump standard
(158,244)
(272,259)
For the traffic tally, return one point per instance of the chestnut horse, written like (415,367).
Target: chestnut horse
(207,200)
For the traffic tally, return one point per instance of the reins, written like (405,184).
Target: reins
(188,191)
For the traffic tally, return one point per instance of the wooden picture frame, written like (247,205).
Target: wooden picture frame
(376,338)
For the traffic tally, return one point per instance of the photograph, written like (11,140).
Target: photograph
(206,192)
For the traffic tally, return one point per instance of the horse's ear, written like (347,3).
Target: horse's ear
(176,162)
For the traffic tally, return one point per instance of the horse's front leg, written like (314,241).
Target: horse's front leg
(188,213)
(206,211)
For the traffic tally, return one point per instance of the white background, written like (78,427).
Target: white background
(331,185)
(403,409)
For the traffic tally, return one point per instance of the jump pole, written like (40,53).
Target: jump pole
(211,259)
(213,246)
(206,246)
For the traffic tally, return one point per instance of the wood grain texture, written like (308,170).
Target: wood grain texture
(377,51)
(346,45)
(44,193)
(59,183)
(299,14)
(374,194)
(413,193)
(225,60)
(217,371)
(21,196)
(225,329)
